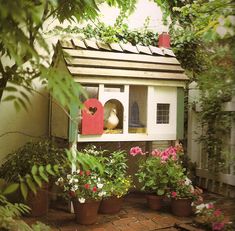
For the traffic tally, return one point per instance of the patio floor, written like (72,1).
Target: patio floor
(134,216)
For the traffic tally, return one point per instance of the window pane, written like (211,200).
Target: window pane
(163,111)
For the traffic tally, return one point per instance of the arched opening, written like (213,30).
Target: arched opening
(113,116)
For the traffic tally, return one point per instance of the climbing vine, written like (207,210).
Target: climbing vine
(119,32)
(202,36)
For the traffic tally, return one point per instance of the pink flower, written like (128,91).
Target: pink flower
(88,172)
(173,194)
(218,226)
(210,206)
(171,150)
(217,213)
(165,156)
(156,152)
(136,150)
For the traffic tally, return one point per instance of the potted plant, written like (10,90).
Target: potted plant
(181,191)
(82,182)
(153,173)
(116,181)
(210,217)
(31,166)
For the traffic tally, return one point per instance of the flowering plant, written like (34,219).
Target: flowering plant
(81,175)
(117,182)
(183,188)
(209,216)
(153,172)
(84,185)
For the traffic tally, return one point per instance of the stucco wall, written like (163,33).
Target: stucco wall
(16,128)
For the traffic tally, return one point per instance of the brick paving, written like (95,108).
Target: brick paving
(134,216)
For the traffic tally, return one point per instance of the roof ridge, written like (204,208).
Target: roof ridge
(93,44)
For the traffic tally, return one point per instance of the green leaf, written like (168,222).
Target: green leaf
(160,192)
(30,183)
(24,190)
(34,170)
(42,174)
(56,169)
(10,189)
(49,170)
(9,98)
(37,180)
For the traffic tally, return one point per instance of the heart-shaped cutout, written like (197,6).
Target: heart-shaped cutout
(92,110)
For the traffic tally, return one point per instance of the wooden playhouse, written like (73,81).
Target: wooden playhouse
(143,84)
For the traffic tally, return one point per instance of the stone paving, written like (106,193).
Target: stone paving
(134,216)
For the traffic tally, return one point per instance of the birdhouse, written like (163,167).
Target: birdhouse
(137,91)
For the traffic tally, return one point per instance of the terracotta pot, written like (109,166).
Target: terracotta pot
(181,207)
(111,205)
(154,201)
(38,203)
(86,213)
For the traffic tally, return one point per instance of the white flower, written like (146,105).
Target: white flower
(200,207)
(187,181)
(60,180)
(74,188)
(75,180)
(69,176)
(78,171)
(81,200)
(102,193)
(99,185)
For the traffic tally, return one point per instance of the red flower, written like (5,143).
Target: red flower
(94,189)
(87,186)
(72,194)
(174,194)
(81,173)
(88,172)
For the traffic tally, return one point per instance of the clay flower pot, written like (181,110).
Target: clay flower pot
(154,201)
(181,207)
(86,213)
(38,203)
(111,205)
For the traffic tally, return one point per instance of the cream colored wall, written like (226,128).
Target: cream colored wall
(16,128)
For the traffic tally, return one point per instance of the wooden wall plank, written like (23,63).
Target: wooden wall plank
(120,56)
(180,113)
(122,64)
(131,81)
(125,73)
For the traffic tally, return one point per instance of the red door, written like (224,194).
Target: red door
(92,117)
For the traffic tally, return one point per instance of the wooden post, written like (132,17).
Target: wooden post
(73,132)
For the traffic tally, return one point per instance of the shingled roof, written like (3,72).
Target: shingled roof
(93,58)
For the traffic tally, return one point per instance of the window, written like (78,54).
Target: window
(163,113)
(113,88)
